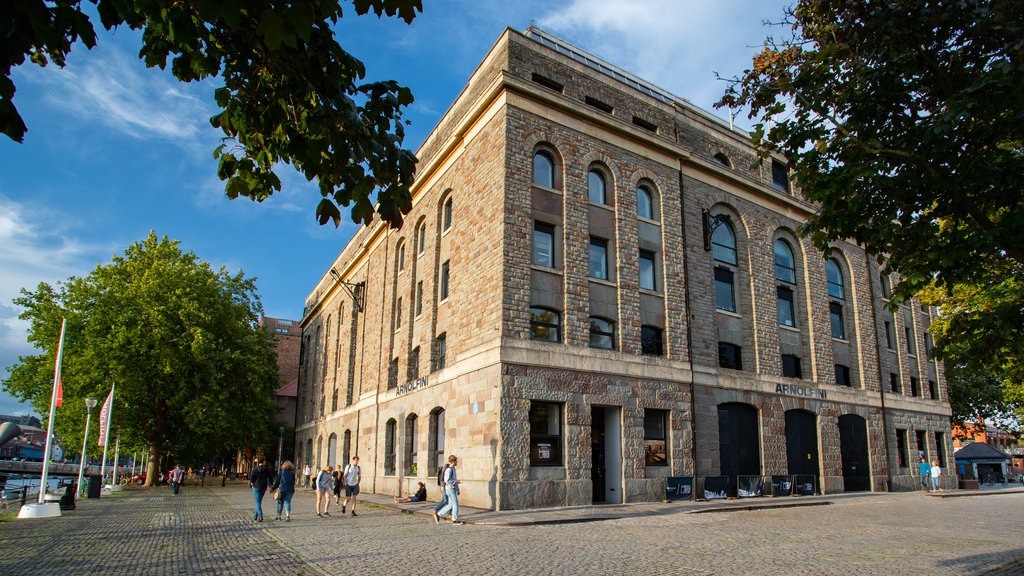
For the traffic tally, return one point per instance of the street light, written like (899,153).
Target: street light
(280,444)
(90,403)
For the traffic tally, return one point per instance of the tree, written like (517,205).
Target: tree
(904,122)
(291,94)
(193,368)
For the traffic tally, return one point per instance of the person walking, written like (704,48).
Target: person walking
(306,472)
(451,492)
(351,477)
(259,480)
(935,472)
(176,475)
(339,481)
(285,482)
(323,485)
(925,471)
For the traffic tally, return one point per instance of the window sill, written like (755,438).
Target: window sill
(728,313)
(649,221)
(548,269)
(546,189)
(603,282)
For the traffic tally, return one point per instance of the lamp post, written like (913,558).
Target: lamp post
(280,445)
(90,403)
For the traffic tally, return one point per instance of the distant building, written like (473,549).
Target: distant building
(999,439)
(23,420)
(288,336)
(598,290)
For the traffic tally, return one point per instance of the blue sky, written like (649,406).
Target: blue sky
(115,150)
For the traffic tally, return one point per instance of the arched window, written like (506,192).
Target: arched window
(389,447)
(602,333)
(596,187)
(421,238)
(836,292)
(886,286)
(785,269)
(411,441)
(723,160)
(543,170)
(446,214)
(835,279)
(723,243)
(545,325)
(644,202)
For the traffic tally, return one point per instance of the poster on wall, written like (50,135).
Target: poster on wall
(679,488)
(749,486)
(716,487)
(804,484)
(782,485)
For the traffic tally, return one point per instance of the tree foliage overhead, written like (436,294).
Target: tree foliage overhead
(291,94)
(904,120)
(194,370)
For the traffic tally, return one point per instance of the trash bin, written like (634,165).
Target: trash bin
(67,501)
(95,486)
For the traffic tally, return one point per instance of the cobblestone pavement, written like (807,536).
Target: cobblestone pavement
(210,531)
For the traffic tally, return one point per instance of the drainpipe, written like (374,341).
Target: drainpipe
(881,377)
(380,358)
(689,324)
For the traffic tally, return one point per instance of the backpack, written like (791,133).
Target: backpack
(440,475)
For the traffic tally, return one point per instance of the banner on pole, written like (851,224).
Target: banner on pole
(105,418)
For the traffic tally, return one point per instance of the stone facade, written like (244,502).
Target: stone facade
(573,349)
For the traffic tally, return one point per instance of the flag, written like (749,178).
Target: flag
(60,392)
(105,418)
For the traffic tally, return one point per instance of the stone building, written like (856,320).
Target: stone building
(597,292)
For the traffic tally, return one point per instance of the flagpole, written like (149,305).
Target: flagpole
(108,407)
(43,510)
(53,414)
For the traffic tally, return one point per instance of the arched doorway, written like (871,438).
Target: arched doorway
(853,447)
(332,449)
(739,445)
(802,442)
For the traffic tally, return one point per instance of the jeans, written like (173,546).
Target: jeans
(285,503)
(441,503)
(175,486)
(452,506)
(935,482)
(257,495)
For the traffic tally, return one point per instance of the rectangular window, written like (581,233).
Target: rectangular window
(414,364)
(393,373)
(543,244)
(441,351)
(911,345)
(902,456)
(933,390)
(835,313)
(780,177)
(598,258)
(419,297)
(401,257)
(890,336)
(785,300)
(651,341)
(730,356)
(447,214)
(843,376)
(545,434)
(724,298)
(894,383)
(915,386)
(655,437)
(791,366)
(445,279)
(940,448)
(922,444)
(927,344)
(647,276)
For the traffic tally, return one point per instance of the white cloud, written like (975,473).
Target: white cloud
(676,44)
(109,86)
(35,246)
